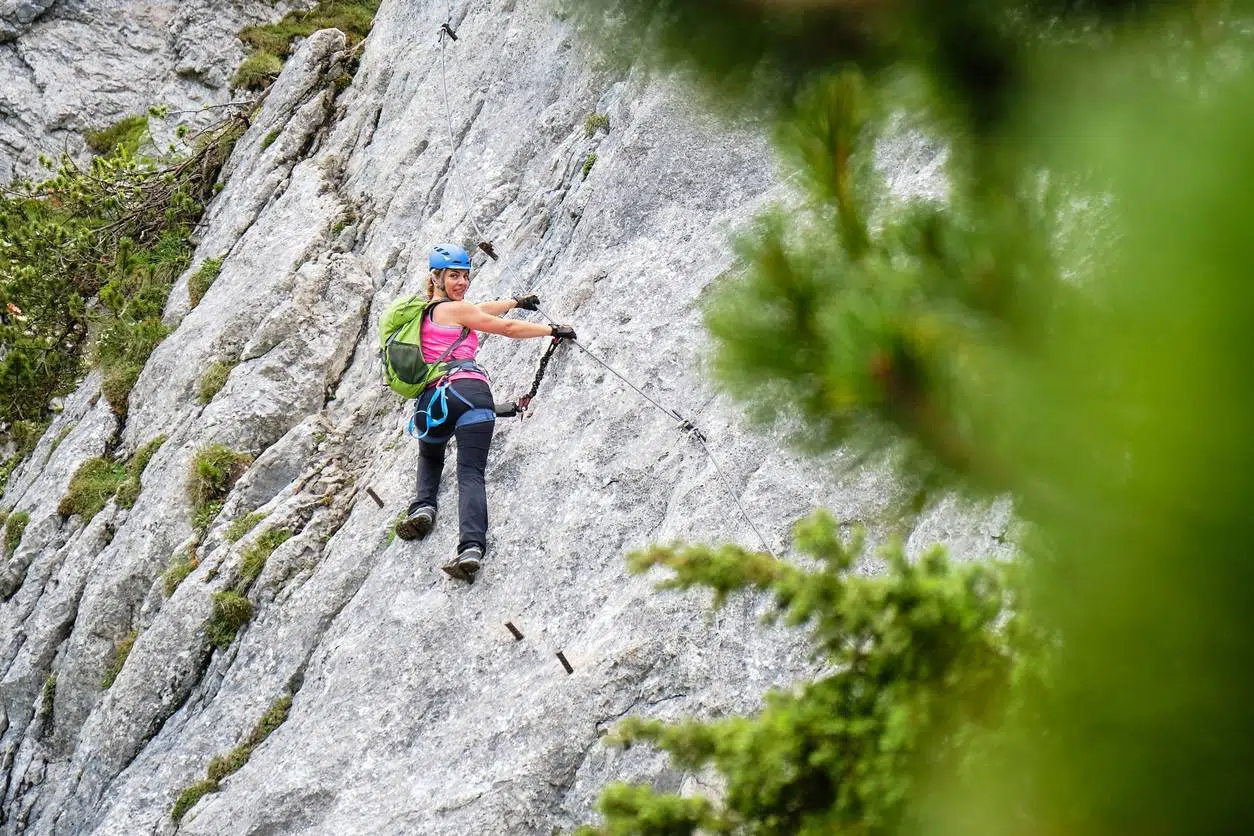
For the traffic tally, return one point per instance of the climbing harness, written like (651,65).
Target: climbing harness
(436,413)
(685,426)
(446,31)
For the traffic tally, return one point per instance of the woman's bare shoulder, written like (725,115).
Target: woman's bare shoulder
(459,313)
(448,312)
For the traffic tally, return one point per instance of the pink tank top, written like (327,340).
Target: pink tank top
(436,339)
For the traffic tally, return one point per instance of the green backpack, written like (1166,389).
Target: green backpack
(400,348)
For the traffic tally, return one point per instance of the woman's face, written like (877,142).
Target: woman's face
(456,283)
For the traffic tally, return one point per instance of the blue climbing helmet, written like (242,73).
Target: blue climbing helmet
(448,256)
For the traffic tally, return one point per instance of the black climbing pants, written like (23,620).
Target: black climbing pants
(473,441)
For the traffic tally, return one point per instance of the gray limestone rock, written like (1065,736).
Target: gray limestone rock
(414,710)
(73,66)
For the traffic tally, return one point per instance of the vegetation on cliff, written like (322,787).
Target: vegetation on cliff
(87,259)
(270,44)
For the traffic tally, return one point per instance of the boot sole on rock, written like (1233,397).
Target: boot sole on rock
(415,528)
(454,570)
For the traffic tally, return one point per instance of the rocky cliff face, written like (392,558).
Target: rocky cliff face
(414,709)
(72,66)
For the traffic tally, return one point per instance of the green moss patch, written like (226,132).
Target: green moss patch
(203,279)
(231,611)
(120,653)
(91,487)
(256,555)
(212,381)
(119,380)
(223,765)
(271,44)
(128,491)
(14,528)
(125,135)
(204,515)
(188,797)
(214,471)
(180,567)
(595,122)
(241,526)
(257,71)
(98,480)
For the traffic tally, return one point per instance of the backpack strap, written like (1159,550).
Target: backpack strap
(460,337)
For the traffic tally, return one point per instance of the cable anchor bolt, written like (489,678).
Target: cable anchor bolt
(690,428)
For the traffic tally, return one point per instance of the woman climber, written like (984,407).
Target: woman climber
(460,404)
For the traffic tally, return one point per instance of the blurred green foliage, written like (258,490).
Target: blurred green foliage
(917,660)
(1066,326)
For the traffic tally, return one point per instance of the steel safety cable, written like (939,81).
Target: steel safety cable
(689,428)
(453,174)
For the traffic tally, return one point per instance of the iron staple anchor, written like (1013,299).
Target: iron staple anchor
(445,29)
(691,429)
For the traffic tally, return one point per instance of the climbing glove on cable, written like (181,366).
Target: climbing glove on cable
(563,332)
(527,303)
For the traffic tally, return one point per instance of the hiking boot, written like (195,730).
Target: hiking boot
(465,565)
(417,524)
(468,560)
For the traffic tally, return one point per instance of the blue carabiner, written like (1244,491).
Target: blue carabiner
(439,401)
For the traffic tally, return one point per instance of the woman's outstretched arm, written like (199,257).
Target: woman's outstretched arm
(471,316)
(497,307)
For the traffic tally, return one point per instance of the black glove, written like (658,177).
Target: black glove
(506,410)
(527,303)
(563,332)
